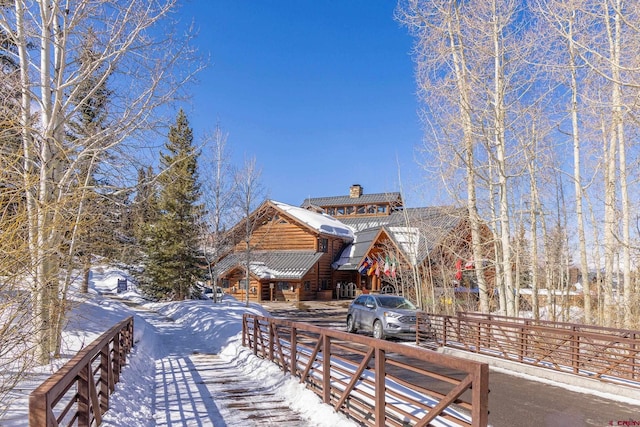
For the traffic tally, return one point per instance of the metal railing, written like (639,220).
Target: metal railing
(374,382)
(606,354)
(78,394)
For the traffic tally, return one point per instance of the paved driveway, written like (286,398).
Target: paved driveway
(513,401)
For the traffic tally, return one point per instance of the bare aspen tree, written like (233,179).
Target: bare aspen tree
(219,191)
(413,272)
(609,51)
(441,48)
(249,194)
(618,107)
(563,18)
(48,38)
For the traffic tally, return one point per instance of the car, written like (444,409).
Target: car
(215,294)
(382,315)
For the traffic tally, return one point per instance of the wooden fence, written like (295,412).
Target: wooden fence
(606,354)
(374,382)
(78,394)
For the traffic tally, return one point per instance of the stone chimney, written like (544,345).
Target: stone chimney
(355,191)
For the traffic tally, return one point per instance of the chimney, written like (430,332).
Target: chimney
(355,191)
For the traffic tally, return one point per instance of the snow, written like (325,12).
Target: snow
(175,374)
(319,221)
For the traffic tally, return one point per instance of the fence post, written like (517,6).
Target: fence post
(84,376)
(480,397)
(575,350)
(523,340)
(380,387)
(271,340)
(326,369)
(294,351)
(106,378)
(39,410)
(244,330)
(255,336)
(116,358)
(445,321)
(634,363)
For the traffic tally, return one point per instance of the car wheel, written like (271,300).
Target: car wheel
(351,327)
(377,330)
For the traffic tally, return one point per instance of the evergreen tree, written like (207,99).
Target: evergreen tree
(172,266)
(144,212)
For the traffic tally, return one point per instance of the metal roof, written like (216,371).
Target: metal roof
(408,217)
(415,231)
(351,256)
(364,199)
(275,265)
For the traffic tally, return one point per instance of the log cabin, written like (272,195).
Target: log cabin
(339,247)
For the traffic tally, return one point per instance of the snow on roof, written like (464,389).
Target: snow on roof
(408,238)
(321,222)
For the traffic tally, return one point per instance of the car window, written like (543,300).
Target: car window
(396,302)
(359,300)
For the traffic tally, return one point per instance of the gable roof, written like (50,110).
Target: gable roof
(352,255)
(320,222)
(429,226)
(434,215)
(392,198)
(274,265)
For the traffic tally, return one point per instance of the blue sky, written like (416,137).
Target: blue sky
(321,92)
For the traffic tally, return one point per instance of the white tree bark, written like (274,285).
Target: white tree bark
(48,34)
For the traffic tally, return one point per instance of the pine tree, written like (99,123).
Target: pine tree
(144,211)
(172,266)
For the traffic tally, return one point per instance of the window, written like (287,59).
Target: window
(324,284)
(307,285)
(225,283)
(350,210)
(340,210)
(323,245)
(360,210)
(284,286)
(331,211)
(371,209)
(382,209)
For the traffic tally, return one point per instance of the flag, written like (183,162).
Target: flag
(373,268)
(378,268)
(393,268)
(387,270)
(459,269)
(364,266)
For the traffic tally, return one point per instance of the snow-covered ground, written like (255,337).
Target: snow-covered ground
(185,356)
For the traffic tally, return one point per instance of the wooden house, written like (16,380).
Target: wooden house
(338,247)
(290,254)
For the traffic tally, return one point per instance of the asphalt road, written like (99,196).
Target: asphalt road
(513,401)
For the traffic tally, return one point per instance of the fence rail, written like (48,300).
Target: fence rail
(78,394)
(374,382)
(606,354)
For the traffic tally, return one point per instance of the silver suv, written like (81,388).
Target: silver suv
(383,315)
